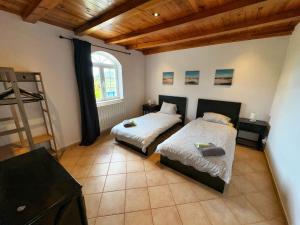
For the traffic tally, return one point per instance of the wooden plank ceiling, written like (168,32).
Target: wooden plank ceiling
(181,23)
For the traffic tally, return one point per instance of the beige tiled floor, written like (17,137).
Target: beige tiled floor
(121,187)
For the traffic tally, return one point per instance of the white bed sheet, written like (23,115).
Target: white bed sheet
(148,127)
(180,146)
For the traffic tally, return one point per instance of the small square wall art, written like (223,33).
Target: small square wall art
(224,77)
(192,77)
(168,78)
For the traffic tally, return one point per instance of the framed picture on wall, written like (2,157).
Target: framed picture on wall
(192,77)
(168,78)
(224,77)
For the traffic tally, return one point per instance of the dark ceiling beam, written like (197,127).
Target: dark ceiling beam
(177,22)
(91,25)
(37,9)
(226,38)
(288,16)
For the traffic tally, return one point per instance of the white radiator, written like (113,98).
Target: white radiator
(111,115)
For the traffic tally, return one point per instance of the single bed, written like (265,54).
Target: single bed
(152,128)
(180,153)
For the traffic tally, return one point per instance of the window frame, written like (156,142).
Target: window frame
(118,72)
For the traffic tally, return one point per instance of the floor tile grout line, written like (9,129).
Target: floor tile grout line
(240,193)
(244,194)
(125,198)
(101,197)
(175,204)
(205,212)
(152,219)
(113,214)
(199,203)
(259,213)
(178,212)
(236,217)
(102,194)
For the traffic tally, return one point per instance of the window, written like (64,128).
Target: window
(107,73)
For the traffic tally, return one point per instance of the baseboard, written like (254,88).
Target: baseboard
(105,132)
(276,187)
(67,147)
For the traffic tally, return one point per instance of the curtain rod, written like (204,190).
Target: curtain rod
(70,39)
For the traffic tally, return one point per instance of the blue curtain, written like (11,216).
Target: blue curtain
(90,128)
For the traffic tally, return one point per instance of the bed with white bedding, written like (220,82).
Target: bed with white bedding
(179,151)
(181,147)
(148,128)
(153,128)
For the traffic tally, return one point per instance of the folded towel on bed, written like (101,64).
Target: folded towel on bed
(129,123)
(210,149)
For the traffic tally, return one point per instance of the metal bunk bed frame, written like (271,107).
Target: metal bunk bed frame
(10,79)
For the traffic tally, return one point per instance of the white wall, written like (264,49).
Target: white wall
(257,65)
(283,143)
(36,47)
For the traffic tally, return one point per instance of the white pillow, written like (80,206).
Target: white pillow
(168,108)
(216,118)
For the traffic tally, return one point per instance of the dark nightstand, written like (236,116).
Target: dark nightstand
(258,129)
(150,108)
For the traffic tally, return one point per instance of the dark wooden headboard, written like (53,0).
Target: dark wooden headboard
(179,101)
(230,109)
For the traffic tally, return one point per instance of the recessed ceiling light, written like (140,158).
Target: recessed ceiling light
(156,14)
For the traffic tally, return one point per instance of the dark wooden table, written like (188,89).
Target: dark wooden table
(259,127)
(36,190)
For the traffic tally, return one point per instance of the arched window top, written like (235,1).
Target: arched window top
(101,57)
(107,72)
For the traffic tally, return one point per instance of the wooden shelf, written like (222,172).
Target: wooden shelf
(13,101)
(41,139)
(12,150)
(9,151)
(38,139)
(6,119)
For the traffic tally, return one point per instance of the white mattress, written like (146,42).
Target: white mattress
(180,146)
(148,127)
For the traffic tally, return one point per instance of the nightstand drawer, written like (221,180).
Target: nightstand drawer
(252,128)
